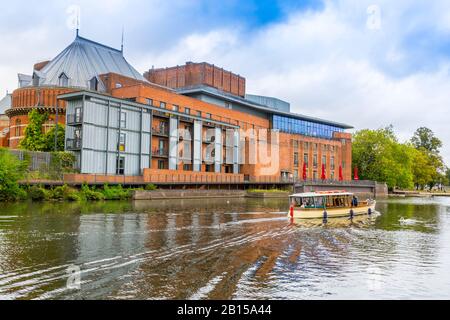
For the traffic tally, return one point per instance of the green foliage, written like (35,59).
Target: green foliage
(38,194)
(425,138)
(36,140)
(381,157)
(447,177)
(116,193)
(151,187)
(65,193)
(91,194)
(50,139)
(11,171)
(61,163)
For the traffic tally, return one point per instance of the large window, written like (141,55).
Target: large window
(120,166)
(296,159)
(123,120)
(307,128)
(18,127)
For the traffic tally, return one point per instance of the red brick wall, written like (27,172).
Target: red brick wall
(193,74)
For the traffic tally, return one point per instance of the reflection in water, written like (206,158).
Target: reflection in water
(223,249)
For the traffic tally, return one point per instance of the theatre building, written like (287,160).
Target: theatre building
(192,121)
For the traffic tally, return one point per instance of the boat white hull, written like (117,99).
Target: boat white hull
(299,213)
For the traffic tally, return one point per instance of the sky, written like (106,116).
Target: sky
(366,63)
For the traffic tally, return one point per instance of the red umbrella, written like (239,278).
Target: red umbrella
(324,175)
(355,176)
(341,174)
(305,172)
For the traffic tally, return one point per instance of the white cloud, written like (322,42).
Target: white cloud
(326,63)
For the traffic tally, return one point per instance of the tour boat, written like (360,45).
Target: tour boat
(329,204)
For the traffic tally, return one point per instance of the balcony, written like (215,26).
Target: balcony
(161,131)
(73,144)
(74,119)
(160,153)
(161,114)
(186,119)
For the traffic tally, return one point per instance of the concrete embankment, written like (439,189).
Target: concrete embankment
(187,194)
(418,194)
(205,194)
(268,195)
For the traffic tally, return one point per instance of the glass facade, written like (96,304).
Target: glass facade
(307,128)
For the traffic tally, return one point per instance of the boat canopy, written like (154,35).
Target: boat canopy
(322,194)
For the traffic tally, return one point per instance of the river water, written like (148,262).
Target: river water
(222,249)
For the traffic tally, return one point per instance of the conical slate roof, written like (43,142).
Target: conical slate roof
(83,60)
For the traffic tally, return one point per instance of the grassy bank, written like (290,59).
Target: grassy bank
(86,193)
(267,191)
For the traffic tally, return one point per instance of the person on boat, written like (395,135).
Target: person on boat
(355,201)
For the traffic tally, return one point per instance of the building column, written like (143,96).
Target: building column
(198,142)
(236,152)
(218,150)
(173,144)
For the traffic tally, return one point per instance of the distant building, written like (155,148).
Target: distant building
(5,104)
(193,121)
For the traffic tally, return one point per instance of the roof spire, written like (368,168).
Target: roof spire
(123,36)
(78,24)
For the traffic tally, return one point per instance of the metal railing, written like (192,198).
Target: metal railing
(161,114)
(73,144)
(161,131)
(160,153)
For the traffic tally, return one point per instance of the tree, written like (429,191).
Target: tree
(50,139)
(426,142)
(423,168)
(36,140)
(380,157)
(425,138)
(447,177)
(11,171)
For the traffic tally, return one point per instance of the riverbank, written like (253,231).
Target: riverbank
(417,194)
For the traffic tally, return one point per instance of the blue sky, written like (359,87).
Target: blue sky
(327,58)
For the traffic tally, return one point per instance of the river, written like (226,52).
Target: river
(222,249)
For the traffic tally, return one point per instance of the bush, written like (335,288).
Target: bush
(38,193)
(11,171)
(91,194)
(151,187)
(116,193)
(65,193)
